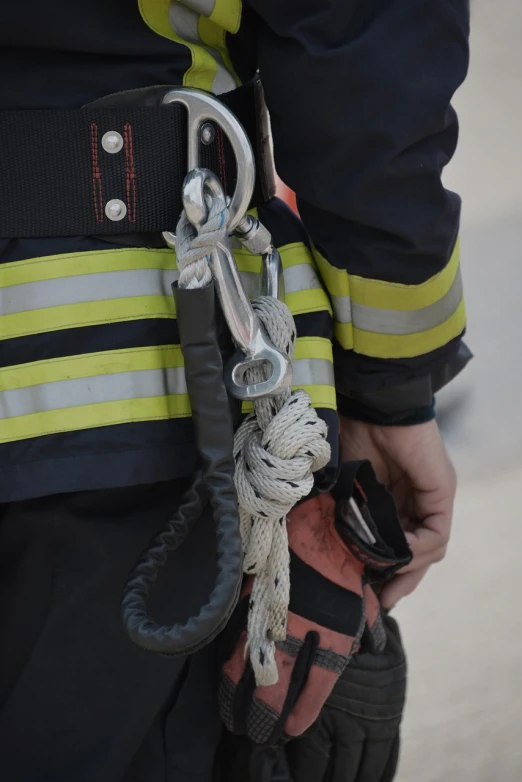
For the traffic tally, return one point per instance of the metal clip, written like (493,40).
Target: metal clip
(202,108)
(248,333)
(257,239)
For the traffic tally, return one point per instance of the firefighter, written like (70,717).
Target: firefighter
(97,444)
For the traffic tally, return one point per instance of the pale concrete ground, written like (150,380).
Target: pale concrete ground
(463,628)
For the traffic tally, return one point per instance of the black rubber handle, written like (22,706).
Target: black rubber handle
(214,484)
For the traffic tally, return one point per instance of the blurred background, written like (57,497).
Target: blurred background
(463,627)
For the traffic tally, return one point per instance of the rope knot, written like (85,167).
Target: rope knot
(194,246)
(277,450)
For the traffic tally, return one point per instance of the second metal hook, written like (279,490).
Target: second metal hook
(247,331)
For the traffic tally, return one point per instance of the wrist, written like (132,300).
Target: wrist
(359,411)
(399,402)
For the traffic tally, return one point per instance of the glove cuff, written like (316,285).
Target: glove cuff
(372,530)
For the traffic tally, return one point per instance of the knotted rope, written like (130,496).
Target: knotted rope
(277,449)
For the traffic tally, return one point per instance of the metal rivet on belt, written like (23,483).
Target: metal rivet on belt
(115,209)
(112,142)
(208,133)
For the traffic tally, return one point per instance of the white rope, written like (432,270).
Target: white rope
(193,246)
(277,449)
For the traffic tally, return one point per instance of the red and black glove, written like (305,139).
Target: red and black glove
(338,551)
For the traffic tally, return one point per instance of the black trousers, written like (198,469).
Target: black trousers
(79,702)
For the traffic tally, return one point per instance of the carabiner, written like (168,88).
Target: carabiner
(202,107)
(257,239)
(247,331)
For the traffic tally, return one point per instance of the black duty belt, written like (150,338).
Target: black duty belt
(116,166)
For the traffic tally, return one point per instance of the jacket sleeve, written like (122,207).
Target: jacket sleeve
(359,95)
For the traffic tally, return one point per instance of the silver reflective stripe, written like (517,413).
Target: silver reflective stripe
(403,322)
(313,372)
(139,384)
(301,277)
(184,22)
(86,288)
(203,7)
(126,284)
(223,80)
(92,390)
(342,307)
(398,322)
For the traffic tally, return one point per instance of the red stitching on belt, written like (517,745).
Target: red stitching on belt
(221,157)
(130,173)
(97,187)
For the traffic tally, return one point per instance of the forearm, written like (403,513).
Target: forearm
(359,95)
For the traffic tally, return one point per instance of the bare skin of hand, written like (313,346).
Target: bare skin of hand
(414,465)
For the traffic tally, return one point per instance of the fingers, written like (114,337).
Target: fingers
(401,586)
(429,539)
(433,493)
(417,563)
(428,546)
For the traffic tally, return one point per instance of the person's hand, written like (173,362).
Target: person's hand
(412,462)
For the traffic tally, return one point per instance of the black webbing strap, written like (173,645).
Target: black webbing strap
(57,178)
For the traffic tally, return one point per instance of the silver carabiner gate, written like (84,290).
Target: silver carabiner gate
(248,333)
(254,236)
(202,107)
(246,329)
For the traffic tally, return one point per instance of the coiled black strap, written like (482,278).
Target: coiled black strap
(214,484)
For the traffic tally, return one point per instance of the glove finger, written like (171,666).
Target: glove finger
(238,760)
(236,687)
(330,660)
(378,763)
(374,636)
(348,760)
(311,756)
(233,690)
(270,706)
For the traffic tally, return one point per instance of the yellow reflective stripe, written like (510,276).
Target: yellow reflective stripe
(52,267)
(91,416)
(204,34)
(128,368)
(344,334)
(292,255)
(401,346)
(215,37)
(313,347)
(70,314)
(336,280)
(316,348)
(227,14)
(389,295)
(321,396)
(391,320)
(204,67)
(403,322)
(97,261)
(90,313)
(410,345)
(295,254)
(88,365)
(301,302)
(396,296)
